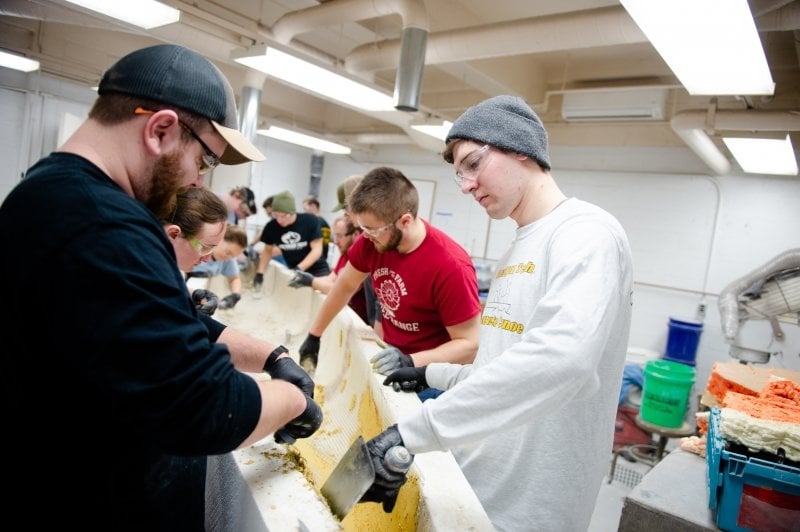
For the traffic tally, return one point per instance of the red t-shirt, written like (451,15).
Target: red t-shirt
(358,301)
(421,292)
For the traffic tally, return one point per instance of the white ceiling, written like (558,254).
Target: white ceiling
(541,50)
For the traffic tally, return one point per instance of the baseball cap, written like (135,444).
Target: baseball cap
(283,202)
(344,190)
(248,198)
(176,75)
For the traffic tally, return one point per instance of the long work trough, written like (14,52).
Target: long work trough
(270,486)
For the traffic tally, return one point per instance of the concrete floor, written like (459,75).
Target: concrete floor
(608,507)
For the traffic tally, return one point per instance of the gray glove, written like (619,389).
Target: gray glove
(389,360)
(389,478)
(230,300)
(205,301)
(301,278)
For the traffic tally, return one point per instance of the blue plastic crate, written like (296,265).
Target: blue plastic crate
(748,493)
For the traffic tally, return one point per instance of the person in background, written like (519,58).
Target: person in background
(364,302)
(222,261)
(343,236)
(311,206)
(531,420)
(195,228)
(298,235)
(425,281)
(343,192)
(241,203)
(195,231)
(276,251)
(142,395)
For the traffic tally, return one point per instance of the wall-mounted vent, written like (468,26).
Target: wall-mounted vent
(614,105)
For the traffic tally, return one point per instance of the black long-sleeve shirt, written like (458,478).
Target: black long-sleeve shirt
(113,394)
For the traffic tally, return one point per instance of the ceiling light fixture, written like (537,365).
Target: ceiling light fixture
(301,139)
(763,156)
(438,131)
(310,77)
(17,62)
(712,46)
(146,14)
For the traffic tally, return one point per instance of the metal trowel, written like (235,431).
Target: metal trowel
(350,479)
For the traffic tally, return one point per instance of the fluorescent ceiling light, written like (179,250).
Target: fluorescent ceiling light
(146,14)
(17,62)
(301,139)
(763,156)
(437,131)
(712,46)
(317,79)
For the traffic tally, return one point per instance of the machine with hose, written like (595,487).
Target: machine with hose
(770,292)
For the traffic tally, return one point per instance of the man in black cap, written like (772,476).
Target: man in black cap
(531,421)
(124,394)
(241,203)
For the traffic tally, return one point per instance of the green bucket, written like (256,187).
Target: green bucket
(665,393)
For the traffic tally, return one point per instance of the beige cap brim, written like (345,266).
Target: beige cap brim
(239,150)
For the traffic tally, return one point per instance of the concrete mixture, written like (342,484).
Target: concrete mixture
(271,486)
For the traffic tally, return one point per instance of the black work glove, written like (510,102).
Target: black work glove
(287,370)
(388,479)
(408,379)
(205,301)
(301,278)
(258,280)
(230,300)
(309,351)
(303,425)
(390,359)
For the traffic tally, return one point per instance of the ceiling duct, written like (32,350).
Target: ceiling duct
(411,62)
(599,106)
(692,127)
(408,82)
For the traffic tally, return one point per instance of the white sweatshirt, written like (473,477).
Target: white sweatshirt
(531,421)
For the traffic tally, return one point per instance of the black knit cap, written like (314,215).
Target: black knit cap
(506,122)
(175,75)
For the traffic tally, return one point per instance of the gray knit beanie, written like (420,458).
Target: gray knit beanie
(506,122)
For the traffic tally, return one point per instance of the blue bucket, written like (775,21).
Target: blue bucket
(682,341)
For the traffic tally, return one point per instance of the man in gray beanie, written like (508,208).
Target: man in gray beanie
(531,420)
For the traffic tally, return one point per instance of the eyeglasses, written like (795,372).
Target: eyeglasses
(472,165)
(209,159)
(198,246)
(375,233)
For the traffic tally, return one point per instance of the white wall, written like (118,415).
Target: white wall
(691,234)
